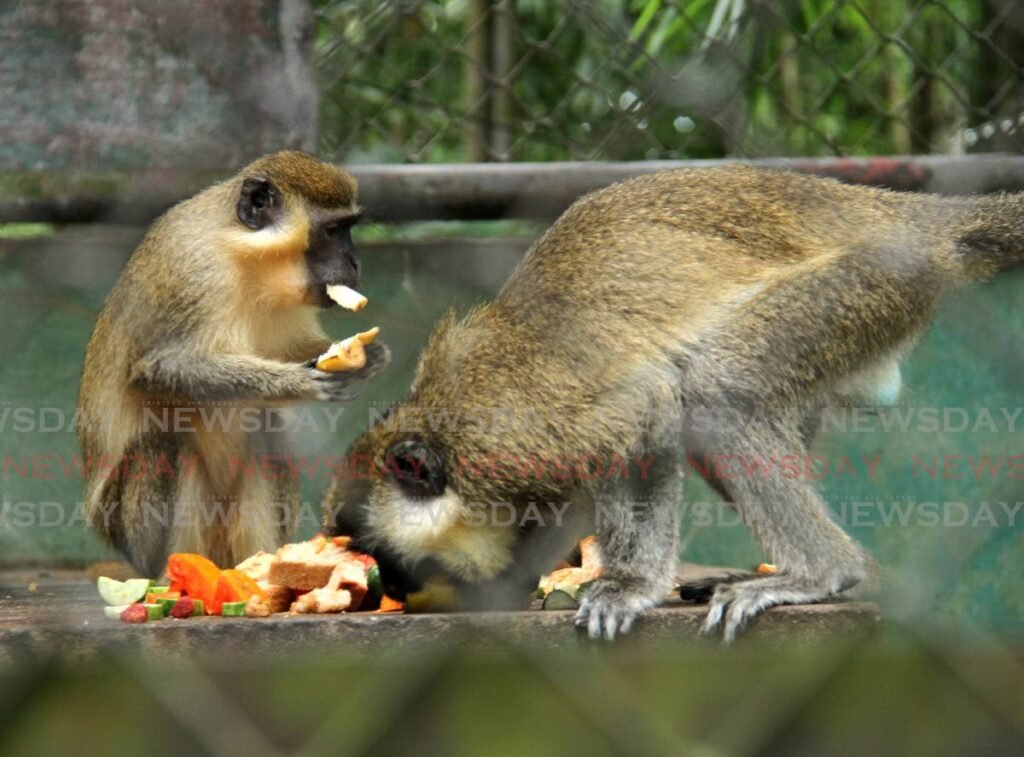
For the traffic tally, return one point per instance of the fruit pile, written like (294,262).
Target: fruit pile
(317,576)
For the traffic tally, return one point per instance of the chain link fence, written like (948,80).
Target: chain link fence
(529,80)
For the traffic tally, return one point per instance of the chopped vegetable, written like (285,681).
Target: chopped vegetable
(135,613)
(234,586)
(387,604)
(153,597)
(113,612)
(233,609)
(559,600)
(373,584)
(167,603)
(186,607)
(766,569)
(155,612)
(193,574)
(161,589)
(120,593)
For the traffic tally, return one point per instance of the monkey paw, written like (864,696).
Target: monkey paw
(735,604)
(611,605)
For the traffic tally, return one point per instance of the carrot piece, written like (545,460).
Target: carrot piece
(387,604)
(234,586)
(194,575)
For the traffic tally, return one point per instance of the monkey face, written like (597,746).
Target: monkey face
(410,517)
(331,257)
(306,208)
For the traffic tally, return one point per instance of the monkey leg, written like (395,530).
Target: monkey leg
(816,558)
(775,361)
(637,534)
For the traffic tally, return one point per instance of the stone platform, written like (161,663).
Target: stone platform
(47,613)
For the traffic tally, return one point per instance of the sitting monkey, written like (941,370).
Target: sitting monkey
(217,306)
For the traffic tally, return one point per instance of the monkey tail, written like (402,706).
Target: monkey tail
(991,237)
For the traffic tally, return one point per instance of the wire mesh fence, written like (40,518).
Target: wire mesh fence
(522,80)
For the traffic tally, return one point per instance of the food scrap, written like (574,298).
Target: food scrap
(348,298)
(563,588)
(348,354)
(317,576)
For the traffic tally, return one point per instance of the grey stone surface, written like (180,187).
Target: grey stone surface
(131,84)
(62,615)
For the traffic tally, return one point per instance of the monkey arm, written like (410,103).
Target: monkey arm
(201,377)
(308,351)
(213,378)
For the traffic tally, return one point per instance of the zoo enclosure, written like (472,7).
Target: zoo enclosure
(529,80)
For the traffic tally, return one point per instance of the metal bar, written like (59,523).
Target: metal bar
(398,193)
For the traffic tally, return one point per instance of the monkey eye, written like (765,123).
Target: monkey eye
(417,469)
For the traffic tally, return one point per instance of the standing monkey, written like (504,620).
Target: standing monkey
(649,305)
(217,306)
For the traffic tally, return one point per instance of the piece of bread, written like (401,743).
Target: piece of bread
(279,598)
(348,298)
(348,354)
(568,580)
(323,601)
(319,563)
(257,566)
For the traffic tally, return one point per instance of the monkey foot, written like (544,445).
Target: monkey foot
(734,604)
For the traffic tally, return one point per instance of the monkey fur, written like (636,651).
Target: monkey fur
(217,306)
(768,293)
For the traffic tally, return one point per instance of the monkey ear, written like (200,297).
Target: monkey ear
(417,469)
(259,202)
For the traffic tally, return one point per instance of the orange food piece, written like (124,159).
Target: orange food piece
(193,575)
(234,586)
(153,597)
(387,604)
(766,569)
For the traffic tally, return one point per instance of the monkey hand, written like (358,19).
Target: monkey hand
(333,386)
(612,603)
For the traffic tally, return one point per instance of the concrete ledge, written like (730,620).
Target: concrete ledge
(63,617)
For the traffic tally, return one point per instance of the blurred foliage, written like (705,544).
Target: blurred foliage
(648,79)
(909,696)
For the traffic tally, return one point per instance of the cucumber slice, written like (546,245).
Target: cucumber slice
(153,589)
(582,589)
(233,609)
(120,593)
(113,612)
(167,604)
(199,608)
(373,585)
(559,600)
(156,612)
